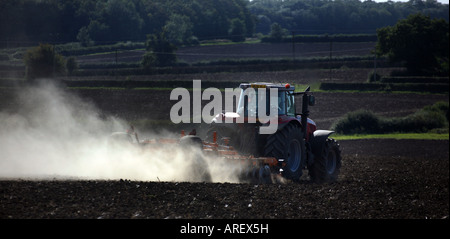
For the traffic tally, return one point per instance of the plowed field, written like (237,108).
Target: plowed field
(379,178)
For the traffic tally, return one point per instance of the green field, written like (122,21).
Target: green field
(418,136)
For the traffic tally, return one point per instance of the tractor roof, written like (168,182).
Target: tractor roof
(280,86)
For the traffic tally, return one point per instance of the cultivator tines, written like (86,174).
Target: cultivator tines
(255,169)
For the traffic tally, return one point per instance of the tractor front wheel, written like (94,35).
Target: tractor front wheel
(327,164)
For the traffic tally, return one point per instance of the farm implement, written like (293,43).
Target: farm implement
(238,137)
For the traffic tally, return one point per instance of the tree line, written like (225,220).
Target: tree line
(418,42)
(186,22)
(108,21)
(338,16)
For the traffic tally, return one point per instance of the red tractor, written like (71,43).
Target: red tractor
(296,144)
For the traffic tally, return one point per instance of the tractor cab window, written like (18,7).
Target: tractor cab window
(251,96)
(279,103)
(290,103)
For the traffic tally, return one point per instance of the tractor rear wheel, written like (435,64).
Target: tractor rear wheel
(327,165)
(288,144)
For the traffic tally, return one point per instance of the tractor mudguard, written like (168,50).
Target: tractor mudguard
(317,141)
(285,120)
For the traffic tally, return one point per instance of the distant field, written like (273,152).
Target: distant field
(280,50)
(275,56)
(241,51)
(155,105)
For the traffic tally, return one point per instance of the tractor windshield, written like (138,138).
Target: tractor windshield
(254,102)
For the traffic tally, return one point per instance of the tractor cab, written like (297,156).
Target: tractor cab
(295,144)
(283,101)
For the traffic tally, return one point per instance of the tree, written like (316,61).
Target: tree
(277,32)
(123,20)
(419,41)
(237,30)
(148,60)
(43,61)
(84,38)
(179,30)
(160,52)
(98,32)
(71,65)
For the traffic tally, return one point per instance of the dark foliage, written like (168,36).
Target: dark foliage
(43,61)
(339,16)
(160,51)
(366,122)
(100,22)
(419,41)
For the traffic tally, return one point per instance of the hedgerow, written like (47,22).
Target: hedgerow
(366,122)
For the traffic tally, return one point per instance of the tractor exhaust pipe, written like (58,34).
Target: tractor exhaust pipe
(305,113)
(306,101)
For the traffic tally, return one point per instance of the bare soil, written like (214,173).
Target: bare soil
(387,179)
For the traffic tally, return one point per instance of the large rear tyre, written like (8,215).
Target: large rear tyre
(288,144)
(327,165)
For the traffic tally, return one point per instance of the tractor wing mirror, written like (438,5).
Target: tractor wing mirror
(311,100)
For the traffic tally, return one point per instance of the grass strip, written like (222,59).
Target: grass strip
(398,136)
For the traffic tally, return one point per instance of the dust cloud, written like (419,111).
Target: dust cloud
(53,134)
